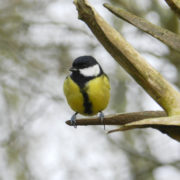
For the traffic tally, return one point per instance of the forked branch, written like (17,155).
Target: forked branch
(154,84)
(144,74)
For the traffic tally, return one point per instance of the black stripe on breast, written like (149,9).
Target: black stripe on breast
(81,81)
(87,104)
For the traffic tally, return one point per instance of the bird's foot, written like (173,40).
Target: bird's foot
(73,120)
(101,116)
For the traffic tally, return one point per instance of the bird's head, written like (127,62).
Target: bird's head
(86,66)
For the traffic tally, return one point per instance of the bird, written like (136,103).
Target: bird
(87,88)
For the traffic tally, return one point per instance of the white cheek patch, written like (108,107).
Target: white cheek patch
(90,71)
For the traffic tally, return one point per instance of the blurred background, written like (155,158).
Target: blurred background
(38,41)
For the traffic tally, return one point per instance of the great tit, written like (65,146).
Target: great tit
(87,88)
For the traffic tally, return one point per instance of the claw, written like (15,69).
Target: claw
(73,120)
(101,116)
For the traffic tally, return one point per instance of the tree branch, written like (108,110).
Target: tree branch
(119,119)
(169,38)
(158,88)
(167,125)
(146,119)
(174,5)
(154,84)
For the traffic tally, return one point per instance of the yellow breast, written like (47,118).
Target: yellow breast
(73,95)
(98,91)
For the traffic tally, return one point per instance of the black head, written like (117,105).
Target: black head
(84,62)
(85,68)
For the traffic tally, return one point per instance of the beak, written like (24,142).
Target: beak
(72,69)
